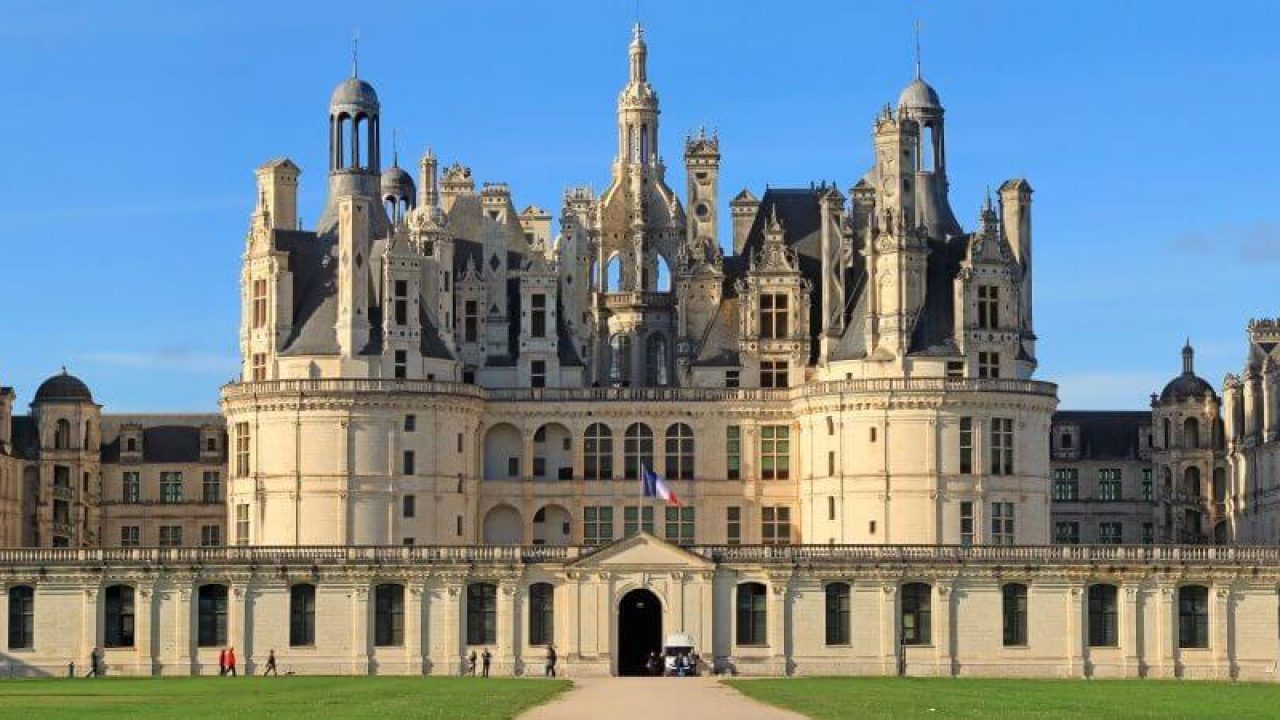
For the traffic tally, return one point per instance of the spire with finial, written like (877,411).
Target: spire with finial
(917,29)
(395,147)
(1188,359)
(638,53)
(355,54)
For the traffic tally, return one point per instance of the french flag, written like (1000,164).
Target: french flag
(655,486)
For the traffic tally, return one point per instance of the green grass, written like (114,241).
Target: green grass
(315,698)
(901,698)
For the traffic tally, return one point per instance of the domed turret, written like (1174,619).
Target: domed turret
(354,132)
(354,94)
(399,194)
(63,387)
(919,95)
(1188,385)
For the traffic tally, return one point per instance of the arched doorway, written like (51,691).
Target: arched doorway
(639,630)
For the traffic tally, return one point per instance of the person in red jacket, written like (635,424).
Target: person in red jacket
(222,662)
(231,661)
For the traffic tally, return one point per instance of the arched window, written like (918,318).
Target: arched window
(211,621)
(388,615)
(1168,433)
(752,614)
(482,614)
(1104,629)
(637,450)
(118,632)
(1191,481)
(1193,616)
(1191,433)
(917,616)
(62,435)
(1015,615)
(541,614)
(88,435)
(619,359)
(838,613)
(302,615)
(679,452)
(22,617)
(655,361)
(597,452)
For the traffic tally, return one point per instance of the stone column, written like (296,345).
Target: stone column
(143,608)
(237,626)
(777,624)
(890,649)
(1076,632)
(1129,621)
(413,627)
(1166,632)
(944,652)
(1219,621)
(507,630)
(568,631)
(90,628)
(359,649)
(184,616)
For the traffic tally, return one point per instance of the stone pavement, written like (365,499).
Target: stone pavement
(644,698)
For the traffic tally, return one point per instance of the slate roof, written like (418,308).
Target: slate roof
(1106,434)
(164,444)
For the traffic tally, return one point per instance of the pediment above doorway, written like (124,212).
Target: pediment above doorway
(644,551)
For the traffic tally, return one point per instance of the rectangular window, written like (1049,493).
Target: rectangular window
(955,370)
(388,615)
(538,373)
(211,488)
(1002,446)
(831,507)
(1148,489)
(242,449)
(966,522)
(470,321)
(242,524)
(733,451)
(259,303)
(838,613)
(513,467)
(966,446)
(775,525)
(1066,484)
(773,316)
(210,535)
(130,536)
(302,615)
(1002,523)
(1066,533)
(131,490)
(170,536)
(1015,615)
(733,525)
(538,318)
(259,370)
(170,487)
(773,374)
(1109,484)
(752,615)
(1193,616)
(636,518)
(401,368)
(775,452)
(732,378)
(680,525)
(831,463)
(1103,619)
(1109,533)
(458,526)
(400,303)
(989,365)
(408,463)
(409,506)
(410,423)
(597,525)
(988,307)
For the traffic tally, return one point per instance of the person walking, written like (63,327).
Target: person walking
(471,664)
(485,658)
(551,661)
(271,664)
(95,663)
(222,662)
(231,661)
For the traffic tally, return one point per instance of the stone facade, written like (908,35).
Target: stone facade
(1250,489)
(1161,611)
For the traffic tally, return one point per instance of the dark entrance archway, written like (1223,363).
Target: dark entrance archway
(639,630)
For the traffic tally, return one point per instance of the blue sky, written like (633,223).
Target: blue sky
(131,130)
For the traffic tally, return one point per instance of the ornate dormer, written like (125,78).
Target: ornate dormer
(774,311)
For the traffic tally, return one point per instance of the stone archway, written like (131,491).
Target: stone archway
(503,526)
(639,630)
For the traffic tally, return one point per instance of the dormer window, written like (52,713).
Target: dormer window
(401,302)
(773,316)
(988,307)
(259,303)
(131,444)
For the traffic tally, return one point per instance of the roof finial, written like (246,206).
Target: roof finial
(917,26)
(1188,358)
(355,54)
(395,147)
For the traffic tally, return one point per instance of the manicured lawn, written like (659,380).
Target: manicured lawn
(902,698)
(314,698)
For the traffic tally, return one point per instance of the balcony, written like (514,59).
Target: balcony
(63,492)
(647,300)
(899,386)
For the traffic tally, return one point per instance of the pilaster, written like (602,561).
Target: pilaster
(359,662)
(1166,632)
(1130,620)
(413,626)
